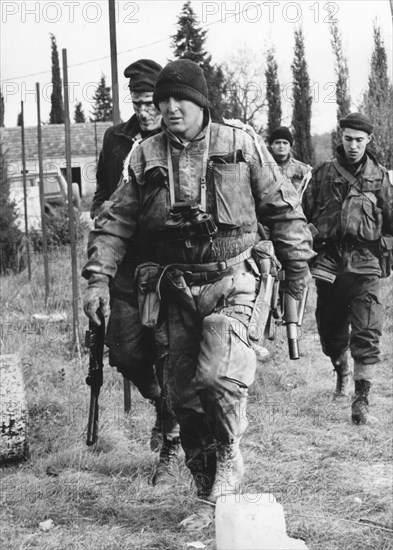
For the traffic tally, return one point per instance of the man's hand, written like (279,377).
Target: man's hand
(97,297)
(297,278)
(295,287)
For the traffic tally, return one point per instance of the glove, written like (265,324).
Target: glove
(97,297)
(295,287)
(297,278)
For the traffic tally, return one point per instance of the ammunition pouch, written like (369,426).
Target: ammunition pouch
(386,255)
(147,276)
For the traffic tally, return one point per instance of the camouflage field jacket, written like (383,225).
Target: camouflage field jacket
(246,188)
(294,171)
(357,213)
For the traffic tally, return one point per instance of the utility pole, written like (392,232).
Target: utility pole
(42,200)
(115,79)
(71,213)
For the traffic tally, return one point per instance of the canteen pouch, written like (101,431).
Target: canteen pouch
(147,276)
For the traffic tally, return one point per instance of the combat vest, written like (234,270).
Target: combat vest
(229,191)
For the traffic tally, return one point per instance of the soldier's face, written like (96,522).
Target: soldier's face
(182,117)
(281,149)
(355,143)
(148,117)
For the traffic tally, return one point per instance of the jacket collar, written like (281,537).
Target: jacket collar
(129,129)
(368,165)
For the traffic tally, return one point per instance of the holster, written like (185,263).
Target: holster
(147,276)
(174,285)
(386,255)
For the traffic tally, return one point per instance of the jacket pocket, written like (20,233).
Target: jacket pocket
(154,208)
(234,201)
(370,223)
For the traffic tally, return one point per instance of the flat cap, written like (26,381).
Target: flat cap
(357,121)
(143,75)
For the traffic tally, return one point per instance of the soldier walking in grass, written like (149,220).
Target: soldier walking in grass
(350,202)
(280,146)
(195,195)
(131,345)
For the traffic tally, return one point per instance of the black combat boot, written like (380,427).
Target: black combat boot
(165,473)
(360,414)
(343,376)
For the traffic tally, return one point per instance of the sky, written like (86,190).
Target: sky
(143,31)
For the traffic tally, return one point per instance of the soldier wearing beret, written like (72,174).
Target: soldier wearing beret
(350,202)
(280,146)
(131,346)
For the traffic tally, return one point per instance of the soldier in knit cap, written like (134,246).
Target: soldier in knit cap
(131,346)
(350,202)
(196,194)
(280,146)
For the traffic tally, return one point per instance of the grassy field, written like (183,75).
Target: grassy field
(328,474)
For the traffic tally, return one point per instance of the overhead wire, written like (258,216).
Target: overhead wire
(125,51)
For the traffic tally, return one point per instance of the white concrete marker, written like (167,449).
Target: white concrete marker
(13,410)
(252,522)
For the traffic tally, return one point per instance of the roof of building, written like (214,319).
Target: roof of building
(85,140)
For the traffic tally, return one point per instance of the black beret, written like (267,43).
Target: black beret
(357,121)
(143,75)
(282,132)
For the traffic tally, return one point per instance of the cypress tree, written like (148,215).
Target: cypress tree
(302,101)
(273,93)
(56,115)
(1,110)
(343,98)
(377,102)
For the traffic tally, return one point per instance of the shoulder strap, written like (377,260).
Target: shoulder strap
(353,181)
(349,177)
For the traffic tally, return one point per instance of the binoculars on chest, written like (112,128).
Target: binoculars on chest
(187,220)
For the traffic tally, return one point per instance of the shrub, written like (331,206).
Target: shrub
(57,228)
(12,242)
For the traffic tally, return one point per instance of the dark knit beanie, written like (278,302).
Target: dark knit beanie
(357,121)
(143,75)
(183,79)
(282,132)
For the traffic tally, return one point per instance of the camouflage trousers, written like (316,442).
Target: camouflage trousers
(210,364)
(349,314)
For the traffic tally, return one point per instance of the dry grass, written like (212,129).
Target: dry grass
(300,445)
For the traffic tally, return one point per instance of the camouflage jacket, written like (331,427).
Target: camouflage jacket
(246,188)
(355,213)
(294,171)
